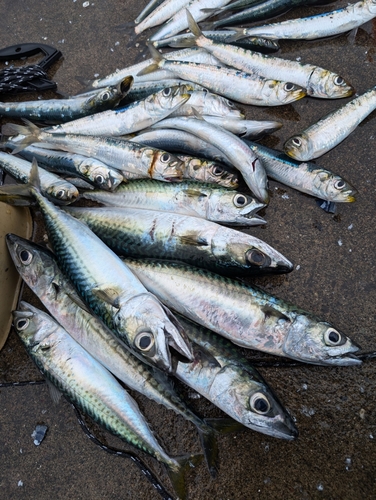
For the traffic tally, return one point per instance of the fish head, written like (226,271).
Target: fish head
(217,173)
(252,254)
(221,106)
(152,331)
(335,188)
(317,342)
(36,334)
(249,400)
(170,98)
(35,264)
(371,4)
(100,175)
(109,97)
(328,85)
(234,207)
(62,193)
(278,93)
(165,166)
(299,147)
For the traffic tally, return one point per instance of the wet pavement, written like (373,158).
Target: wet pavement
(334,277)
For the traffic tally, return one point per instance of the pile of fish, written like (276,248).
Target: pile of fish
(143,288)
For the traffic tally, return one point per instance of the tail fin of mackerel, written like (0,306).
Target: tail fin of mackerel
(240,33)
(158,61)
(177,477)
(29,130)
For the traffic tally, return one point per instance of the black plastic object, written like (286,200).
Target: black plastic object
(27,78)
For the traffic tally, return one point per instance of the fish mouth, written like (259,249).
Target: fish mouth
(281,429)
(348,359)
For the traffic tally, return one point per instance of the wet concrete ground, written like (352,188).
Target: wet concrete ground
(334,277)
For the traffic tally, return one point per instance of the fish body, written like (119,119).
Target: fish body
(162,13)
(91,170)
(64,110)
(231,83)
(188,198)
(231,146)
(55,188)
(38,268)
(318,26)
(222,375)
(244,314)
(207,103)
(134,117)
(125,156)
(332,129)
(85,382)
(147,233)
(318,82)
(306,177)
(244,128)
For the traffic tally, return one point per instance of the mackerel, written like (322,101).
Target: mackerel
(147,233)
(187,198)
(244,314)
(89,386)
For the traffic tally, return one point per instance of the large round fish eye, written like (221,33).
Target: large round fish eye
(259,403)
(218,170)
(25,257)
(22,324)
(99,179)
(60,194)
(340,184)
(105,96)
(144,341)
(257,258)
(296,142)
(333,338)
(338,80)
(240,200)
(289,87)
(165,158)
(166,92)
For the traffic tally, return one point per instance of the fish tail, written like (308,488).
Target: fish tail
(22,195)
(237,36)
(209,446)
(194,27)
(29,130)
(158,61)
(176,474)
(125,85)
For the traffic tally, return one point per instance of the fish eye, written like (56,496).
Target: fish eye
(296,142)
(340,184)
(165,158)
(60,194)
(218,170)
(105,96)
(333,338)
(338,80)
(166,92)
(259,403)
(99,179)
(144,341)
(240,200)
(289,86)
(230,104)
(25,257)
(22,324)
(256,257)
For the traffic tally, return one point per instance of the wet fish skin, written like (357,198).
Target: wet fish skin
(39,269)
(147,233)
(91,170)
(132,118)
(161,14)
(306,177)
(244,314)
(87,384)
(318,26)
(125,156)
(55,188)
(189,198)
(318,82)
(228,380)
(64,110)
(332,129)
(207,103)
(253,129)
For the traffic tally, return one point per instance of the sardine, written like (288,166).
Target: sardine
(161,14)
(147,233)
(187,198)
(244,314)
(318,82)
(87,384)
(64,110)
(207,103)
(331,130)
(253,129)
